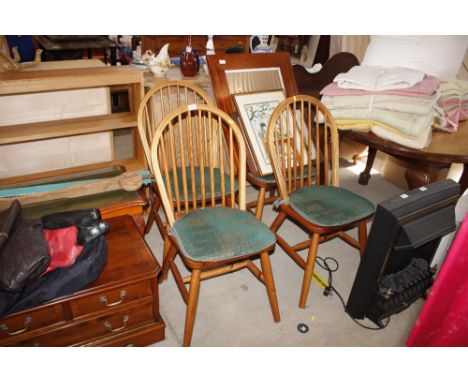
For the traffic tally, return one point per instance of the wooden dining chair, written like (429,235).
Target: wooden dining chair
(155,105)
(302,141)
(202,189)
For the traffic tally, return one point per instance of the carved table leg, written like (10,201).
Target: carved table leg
(365,175)
(419,173)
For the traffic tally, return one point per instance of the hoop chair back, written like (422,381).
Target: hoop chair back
(303,130)
(192,155)
(160,101)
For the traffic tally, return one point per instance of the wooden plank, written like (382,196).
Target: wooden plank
(17,191)
(64,79)
(128,164)
(65,127)
(128,181)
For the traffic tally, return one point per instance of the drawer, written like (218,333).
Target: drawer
(21,324)
(110,298)
(142,336)
(96,329)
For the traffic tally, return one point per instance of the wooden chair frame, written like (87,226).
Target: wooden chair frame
(148,120)
(324,137)
(218,65)
(176,206)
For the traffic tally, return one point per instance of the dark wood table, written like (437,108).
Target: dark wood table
(422,165)
(61,43)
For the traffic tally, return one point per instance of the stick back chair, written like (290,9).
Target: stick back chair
(302,139)
(155,105)
(202,191)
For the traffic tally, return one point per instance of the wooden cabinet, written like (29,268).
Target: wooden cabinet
(120,308)
(31,82)
(177,44)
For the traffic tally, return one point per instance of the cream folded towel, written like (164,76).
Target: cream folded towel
(378,78)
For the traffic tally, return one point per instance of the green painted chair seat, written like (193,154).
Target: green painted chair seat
(214,234)
(271,178)
(330,206)
(265,179)
(197,173)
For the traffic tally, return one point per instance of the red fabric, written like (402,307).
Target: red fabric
(63,249)
(443,320)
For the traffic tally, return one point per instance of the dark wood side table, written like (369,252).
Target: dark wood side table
(120,308)
(57,44)
(422,165)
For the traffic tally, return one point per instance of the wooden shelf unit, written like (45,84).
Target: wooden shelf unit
(68,79)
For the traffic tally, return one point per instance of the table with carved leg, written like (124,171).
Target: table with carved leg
(422,165)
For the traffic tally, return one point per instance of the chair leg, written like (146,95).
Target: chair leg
(309,270)
(260,203)
(167,246)
(171,252)
(362,233)
(277,222)
(153,214)
(270,285)
(192,306)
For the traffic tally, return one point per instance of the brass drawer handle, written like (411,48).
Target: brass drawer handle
(104,300)
(27,321)
(108,325)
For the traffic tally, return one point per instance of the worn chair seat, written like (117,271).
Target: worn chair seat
(264,183)
(328,206)
(265,179)
(197,179)
(216,234)
(270,179)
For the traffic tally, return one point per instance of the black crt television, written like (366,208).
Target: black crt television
(405,233)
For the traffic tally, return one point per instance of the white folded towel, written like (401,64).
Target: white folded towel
(378,78)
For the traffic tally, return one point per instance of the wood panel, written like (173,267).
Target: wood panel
(219,63)
(64,79)
(65,127)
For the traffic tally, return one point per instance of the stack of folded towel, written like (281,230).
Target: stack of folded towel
(454,103)
(397,104)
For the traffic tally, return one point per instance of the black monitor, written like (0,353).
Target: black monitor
(395,268)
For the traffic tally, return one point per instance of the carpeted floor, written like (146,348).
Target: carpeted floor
(233,309)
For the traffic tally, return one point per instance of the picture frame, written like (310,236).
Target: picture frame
(254,111)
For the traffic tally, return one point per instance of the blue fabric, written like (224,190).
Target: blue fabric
(25,44)
(214,234)
(330,206)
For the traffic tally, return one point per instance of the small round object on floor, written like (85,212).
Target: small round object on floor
(303,328)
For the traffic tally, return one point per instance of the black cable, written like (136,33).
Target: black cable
(325,265)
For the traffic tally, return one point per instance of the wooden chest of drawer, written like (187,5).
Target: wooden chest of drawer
(120,308)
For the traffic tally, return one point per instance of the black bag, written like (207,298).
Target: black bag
(61,281)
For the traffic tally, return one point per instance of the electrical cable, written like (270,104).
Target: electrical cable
(324,264)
